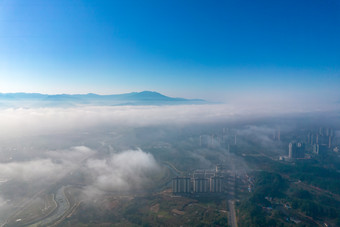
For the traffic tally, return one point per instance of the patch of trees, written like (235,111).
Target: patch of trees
(312,205)
(267,184)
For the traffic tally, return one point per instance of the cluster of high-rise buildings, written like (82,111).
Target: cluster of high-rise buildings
(319,142)
(201,182)
(323,136)
(226,137)
(277,135)
(296,150)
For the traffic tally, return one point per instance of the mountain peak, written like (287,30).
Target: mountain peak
(133,98)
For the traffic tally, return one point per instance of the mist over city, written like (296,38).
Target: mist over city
(105,155)
(169,113)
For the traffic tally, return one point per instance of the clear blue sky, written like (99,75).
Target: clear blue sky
(201,49)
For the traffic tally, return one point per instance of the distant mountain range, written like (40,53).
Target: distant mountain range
(67,100)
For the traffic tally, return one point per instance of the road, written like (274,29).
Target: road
(232,212)
(173,168)
(63,206)
(231,191)
(28,201)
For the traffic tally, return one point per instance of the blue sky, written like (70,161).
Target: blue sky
(194,49)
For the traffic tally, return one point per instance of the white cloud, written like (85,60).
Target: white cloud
(51,165)
(123,171)
(37,121)
(23,122)
(35,169)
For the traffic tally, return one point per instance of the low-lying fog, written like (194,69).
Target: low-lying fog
(41,146)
